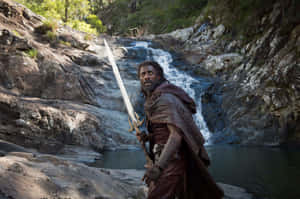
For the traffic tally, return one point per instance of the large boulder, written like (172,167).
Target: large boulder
(25,175)
(47,125)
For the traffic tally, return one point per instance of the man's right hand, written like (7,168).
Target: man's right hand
(142,136)
(152,174)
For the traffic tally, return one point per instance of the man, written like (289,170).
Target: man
(176,144)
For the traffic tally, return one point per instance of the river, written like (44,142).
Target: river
(267,173)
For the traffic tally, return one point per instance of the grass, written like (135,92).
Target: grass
(88,37)
(51,36)
(65,43)
(16,33)
(47,26)
(32,53)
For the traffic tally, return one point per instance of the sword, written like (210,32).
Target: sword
(135,123)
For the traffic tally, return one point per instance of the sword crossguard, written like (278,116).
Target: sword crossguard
(138,123)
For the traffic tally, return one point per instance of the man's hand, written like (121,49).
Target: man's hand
(152,173)
(142,136)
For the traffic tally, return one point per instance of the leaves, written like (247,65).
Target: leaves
(72,12)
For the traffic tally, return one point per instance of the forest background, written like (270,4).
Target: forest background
(125,17)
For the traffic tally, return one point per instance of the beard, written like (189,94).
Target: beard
(147,90)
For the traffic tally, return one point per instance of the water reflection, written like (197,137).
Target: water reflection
(269,173)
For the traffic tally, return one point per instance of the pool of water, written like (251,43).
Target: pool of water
(268,173)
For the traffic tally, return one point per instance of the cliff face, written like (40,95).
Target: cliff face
(257,74)
(53,89)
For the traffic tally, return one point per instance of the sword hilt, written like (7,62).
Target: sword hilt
(138,122)
(135,126)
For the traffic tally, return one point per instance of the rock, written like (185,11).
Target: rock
(47,128)
(224,62)
(7,147)
(75,42)
(219,31)
(181,34)
(258,92)
(64,95)
(78,154)
(48,177)
(233,192)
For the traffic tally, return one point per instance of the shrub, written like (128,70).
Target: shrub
(82,26)
(66,43)
(54,10)
(51,36)
(47,26)
(32,53)
(96,23)
(88,37)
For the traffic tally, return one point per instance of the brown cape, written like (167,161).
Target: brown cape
(169,104)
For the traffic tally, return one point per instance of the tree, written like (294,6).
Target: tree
(76,9)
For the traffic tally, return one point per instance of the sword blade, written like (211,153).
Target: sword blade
(127,102)
(126,99)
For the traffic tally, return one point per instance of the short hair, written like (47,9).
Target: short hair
(155,65)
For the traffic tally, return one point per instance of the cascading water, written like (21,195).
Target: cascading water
(176,77)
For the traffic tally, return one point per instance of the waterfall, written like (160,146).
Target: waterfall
(179,78)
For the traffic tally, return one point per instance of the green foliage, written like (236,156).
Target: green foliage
(48,28)
(82,26)
(96,23)
(238,15)
(88,37)
(32,53)
(55,10)
(51,36)
(16,33)
(65,43)
(78,9)
(192,7)
(155,16)
(50,25)
(50,9)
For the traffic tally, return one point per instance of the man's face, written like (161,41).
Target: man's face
(149,78)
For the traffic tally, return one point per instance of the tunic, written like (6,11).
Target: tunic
(172,176)
(188,174)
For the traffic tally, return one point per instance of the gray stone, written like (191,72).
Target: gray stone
(181,34)
(219,31)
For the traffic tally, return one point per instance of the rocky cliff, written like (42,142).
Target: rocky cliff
(254,98)
(56,87)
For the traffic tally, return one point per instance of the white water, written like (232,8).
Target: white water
(178,78)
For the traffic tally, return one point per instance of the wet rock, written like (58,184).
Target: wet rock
(7,147)
(233,192)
